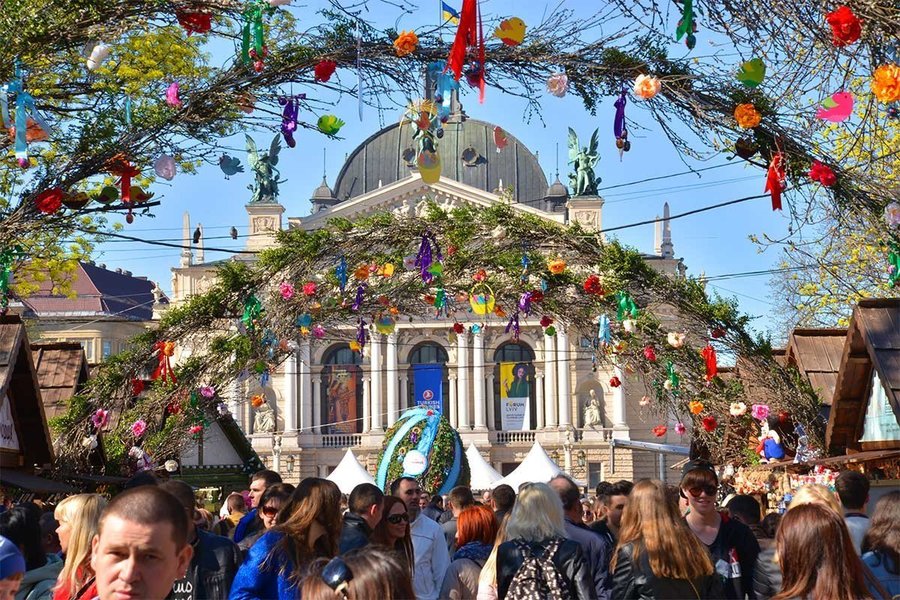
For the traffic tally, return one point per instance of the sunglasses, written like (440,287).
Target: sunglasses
(709,489)
(269,511)
(337,575)
(397,519)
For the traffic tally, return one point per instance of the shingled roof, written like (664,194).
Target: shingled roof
(817,354)
(62,369)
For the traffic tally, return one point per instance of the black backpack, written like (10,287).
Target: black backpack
(538,578)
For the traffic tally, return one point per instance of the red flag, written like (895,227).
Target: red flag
(775,180)
(468,33)
(709,355)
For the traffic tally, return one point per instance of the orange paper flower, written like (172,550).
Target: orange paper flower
(362,273)
(646,86)
(557,266)
(886,83)
(696,407)
(257,400)
(406,43)
(747,116)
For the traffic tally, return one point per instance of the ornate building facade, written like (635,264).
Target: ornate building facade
(572,410)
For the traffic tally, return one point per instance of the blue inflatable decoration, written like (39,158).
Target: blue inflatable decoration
(422,444)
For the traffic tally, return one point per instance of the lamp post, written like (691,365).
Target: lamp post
(276,452)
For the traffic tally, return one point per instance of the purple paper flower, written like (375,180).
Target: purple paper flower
(100,418)
(760,411)
(207,391)
(318,331)
(138,428)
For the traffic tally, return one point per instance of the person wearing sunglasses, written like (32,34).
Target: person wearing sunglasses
(273,499)
(393,531)
(363,574)
(731,544)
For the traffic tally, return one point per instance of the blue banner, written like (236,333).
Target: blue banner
(428,380)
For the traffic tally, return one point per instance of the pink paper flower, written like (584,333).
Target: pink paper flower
(138,428)
(558,84)
(760,411)
(680,428)
(100,418)
(195,429)
(287,290)
(207,391)
(309,288)
(318,331)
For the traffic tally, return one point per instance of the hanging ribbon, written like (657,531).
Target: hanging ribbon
(444,85)
(513,324)
(672,376)
(626,306)
(341,273)
(686,24)
(894,262)
(469,32)
(525,303)
(7,257)
(604,335)
(289,118)
(24,108)
(427,255)
(526,263)
(128,110)
(775,179)
(270,343)
(709,355)
(619,129)
(441,303)
(359,81)
(361,334)
(164,371)
(264,378)
(252,311)
(360,296)
(253,43)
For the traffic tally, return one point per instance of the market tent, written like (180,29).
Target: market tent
(349,474)
(483,475)
(536,467)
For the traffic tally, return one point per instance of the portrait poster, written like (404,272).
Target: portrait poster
(340,394)
(515,396)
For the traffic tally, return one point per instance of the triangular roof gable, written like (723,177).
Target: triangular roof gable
(873,343)
(817,354)
(349,473)
(19,384)
(62,370)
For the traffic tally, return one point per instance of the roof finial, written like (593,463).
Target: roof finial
(324,169)
(557,160)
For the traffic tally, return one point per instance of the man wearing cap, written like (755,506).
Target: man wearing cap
(12,569)
(731,544)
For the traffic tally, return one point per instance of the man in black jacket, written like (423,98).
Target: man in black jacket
(216,559)
(767,576)
(366,504)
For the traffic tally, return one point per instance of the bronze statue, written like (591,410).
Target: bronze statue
(265,189)
(583,182)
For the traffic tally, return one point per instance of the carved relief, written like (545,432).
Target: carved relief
(264,224)
(587,218)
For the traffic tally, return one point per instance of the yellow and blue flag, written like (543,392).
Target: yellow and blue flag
(449,13)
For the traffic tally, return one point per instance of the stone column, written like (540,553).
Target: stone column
(539,398)
(563,379)
(454,409)
(317,404)
(375,374)
(306,387)
(478,380)
(618,394)
(289,392)
(462,380)
(404,388)
(393,400)
(491,419)
(367,405)
(551,391)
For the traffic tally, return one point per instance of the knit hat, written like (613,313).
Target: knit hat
(11,559)
(698,464)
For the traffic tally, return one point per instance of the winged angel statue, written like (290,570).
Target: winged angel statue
(265,189)
(583,182)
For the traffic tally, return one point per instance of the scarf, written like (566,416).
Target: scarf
(477,551)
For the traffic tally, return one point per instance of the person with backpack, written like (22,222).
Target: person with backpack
(538,561)
(657,557)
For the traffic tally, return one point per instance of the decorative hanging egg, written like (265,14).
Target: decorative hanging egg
(76,201)
(108,195)
(385,325)
(164,166)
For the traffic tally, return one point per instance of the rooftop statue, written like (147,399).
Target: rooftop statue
(265,189)
(583,182)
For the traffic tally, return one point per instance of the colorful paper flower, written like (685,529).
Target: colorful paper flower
(49,201)
(675,339)
(170,466)
(137,387)
(355,346)
(100,418)
(195,429)
(257,400)
(406,43)
(680,428)
(593,286)
(760,411)
(822,173)
(324,70)
(615,381)
(629,325)
(892,214)
(546,321)
(138,428)
(659,430)
(845,26)
(710,424)
(362,272)
(556,266)
(886,83)
(207,391)
(650,353)
(668,385)
(696,407)
(747,116)
(558,84)
(309,288)
(646,86)
(737,409)
(287,290)
(318,331)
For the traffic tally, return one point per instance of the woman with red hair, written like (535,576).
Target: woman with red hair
(476,530)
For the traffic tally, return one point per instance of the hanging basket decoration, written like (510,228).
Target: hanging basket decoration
(481,299)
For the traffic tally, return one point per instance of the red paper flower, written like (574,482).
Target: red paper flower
(49,201)
(324,70)
(194,22)
(137,386)
(459,328)
(845,27)
(480,275)
(546,321)
(660,430)
(822,173)
(650,353)
(537,295)
(195,429)
(615,381)
(592,285)
(174,407)
(309,288)
(718,332)
(710,424)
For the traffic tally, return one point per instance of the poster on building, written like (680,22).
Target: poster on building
(340,395)
(429,384)
(515,395)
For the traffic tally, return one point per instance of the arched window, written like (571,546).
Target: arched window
(428,353)
(342,390)
(520,355)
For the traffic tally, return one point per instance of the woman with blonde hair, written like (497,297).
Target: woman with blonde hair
(657,556)
(812,493)
(78,518)
(487,579)
(538,560)
(308,528)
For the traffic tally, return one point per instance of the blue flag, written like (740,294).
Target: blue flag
(429,385)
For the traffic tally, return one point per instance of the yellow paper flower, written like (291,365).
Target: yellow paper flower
(406,43)
(696,407)
(747,116)
(886,83)
(354,346)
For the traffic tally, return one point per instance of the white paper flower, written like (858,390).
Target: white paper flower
(629,325)
(668,384)
(89,442)
(99,53)
(171,466)
(675,339)
(737,409)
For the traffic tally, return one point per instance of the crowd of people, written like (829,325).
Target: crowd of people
(646,540)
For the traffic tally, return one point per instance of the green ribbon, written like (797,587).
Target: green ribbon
(253,30)
(626,305)
(7,257)
(673,376)
(252,310)
(894,261)
(686,25)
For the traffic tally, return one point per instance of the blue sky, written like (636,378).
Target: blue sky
(715,242)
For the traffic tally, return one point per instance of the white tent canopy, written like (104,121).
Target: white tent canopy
(536,467)
(349,474)
(483,475)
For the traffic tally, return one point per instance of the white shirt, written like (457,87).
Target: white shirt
(431,556)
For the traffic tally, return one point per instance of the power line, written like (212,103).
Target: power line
(648,179)
(159,243)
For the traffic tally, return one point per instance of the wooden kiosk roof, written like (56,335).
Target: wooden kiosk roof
(872,345)
(817,354)
(62,369)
